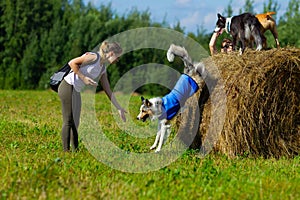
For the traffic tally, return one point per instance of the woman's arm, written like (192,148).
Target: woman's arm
(106,86)
(75,64)
(212,43)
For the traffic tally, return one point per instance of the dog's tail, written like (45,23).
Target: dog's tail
(265,15)
(271,13)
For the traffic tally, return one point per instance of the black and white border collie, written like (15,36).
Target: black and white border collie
(243,28)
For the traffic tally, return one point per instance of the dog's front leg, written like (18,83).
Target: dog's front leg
(157,136)
(156,140)
(163,130)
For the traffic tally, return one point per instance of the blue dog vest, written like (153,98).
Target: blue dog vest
(171,103)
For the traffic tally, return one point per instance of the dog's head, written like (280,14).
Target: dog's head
(221,23)
(150,108)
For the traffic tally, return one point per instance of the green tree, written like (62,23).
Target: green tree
(271,6)
(38,37)
(31,65)
(22,24)
(248,7)
(228,10)
(289,25)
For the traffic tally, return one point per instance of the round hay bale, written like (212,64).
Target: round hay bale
(262,101)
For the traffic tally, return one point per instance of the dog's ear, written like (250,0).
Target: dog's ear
(220,17)
(147,103)
(142,98)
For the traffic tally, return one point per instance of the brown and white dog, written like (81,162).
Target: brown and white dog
(165,108)
(268,23)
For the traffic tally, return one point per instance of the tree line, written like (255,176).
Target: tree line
(39,36)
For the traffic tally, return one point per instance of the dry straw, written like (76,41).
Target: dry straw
(263,104)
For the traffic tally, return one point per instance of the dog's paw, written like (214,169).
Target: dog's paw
(157,150)
(240,51)
(259,48)
(152,147)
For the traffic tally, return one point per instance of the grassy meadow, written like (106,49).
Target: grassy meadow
(33,166)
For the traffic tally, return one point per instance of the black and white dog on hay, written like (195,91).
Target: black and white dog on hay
(243,28)
(165,108)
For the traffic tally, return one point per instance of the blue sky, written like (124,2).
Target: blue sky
(191,14)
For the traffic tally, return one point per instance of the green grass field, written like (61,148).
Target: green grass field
(33,166)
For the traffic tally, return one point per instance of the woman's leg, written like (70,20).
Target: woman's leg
(76,105)
(65,91)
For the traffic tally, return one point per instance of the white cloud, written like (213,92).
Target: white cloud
(191,21)
(209,21)
(191,13)
(183,2)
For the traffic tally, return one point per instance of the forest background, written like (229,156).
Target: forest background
(37,37)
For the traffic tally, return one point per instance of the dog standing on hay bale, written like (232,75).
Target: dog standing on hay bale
(243,28)
(268,23)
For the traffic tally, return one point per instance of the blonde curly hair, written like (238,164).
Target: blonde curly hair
(107,47)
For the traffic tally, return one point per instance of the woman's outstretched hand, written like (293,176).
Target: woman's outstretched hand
(122,114)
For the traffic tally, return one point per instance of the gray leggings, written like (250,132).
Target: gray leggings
(71,106)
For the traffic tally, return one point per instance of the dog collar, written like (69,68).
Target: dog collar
(227,25)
